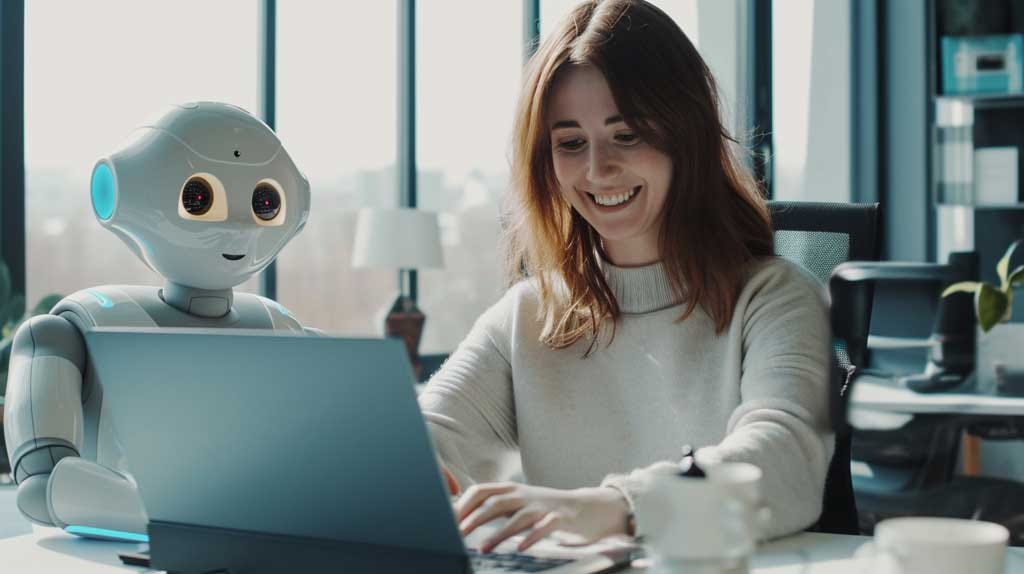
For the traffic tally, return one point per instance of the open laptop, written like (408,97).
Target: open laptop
(285,451)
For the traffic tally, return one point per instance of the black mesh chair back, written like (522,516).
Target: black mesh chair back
(819,237)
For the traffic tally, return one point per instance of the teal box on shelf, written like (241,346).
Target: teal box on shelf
(982,64)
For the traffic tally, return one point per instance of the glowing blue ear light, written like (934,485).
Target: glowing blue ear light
(103,194)
(119,535)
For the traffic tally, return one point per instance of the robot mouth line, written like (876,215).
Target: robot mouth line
(231,257)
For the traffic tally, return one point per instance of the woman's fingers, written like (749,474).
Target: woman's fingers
(476,495)
(449,479)
(542,528)
(519,522)
(495,507)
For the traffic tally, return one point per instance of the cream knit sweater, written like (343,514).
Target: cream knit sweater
(756,393)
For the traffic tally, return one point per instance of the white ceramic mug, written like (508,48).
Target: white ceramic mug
(694,519)
(742,481)
(926,545)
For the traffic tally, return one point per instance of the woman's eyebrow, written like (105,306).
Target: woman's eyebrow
(564,124)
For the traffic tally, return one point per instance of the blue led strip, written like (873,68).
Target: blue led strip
(92,532)
(103,299)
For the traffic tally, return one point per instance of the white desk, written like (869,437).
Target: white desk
(47,550)
(883,394)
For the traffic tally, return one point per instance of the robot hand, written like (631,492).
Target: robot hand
(91,500)
(84,498)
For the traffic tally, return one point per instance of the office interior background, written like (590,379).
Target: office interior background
(406,103)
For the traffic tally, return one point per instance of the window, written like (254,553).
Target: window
(464,111)
(717,28)
(811,100)
(93,72)
(684,12)
(338,121)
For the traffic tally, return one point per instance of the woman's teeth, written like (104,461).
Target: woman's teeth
(612,200)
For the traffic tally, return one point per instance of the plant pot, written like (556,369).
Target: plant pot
(1000,359)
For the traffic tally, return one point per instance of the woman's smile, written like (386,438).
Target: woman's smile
(608,202)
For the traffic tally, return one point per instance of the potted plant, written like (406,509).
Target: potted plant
(999,352)
(12,315)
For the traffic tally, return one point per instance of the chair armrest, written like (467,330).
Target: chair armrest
(851,288)
(884,271)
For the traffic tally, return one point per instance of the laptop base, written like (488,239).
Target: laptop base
(190,549)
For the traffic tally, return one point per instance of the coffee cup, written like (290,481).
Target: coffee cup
(927,545)
(688,520)
(742,481)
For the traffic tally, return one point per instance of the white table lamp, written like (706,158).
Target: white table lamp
(403,239)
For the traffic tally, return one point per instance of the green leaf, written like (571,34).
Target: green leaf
(1016,276)
(1003,266)
(991,305)
(45,304)
(962,287)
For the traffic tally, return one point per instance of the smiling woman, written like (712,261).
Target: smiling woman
(644,297)
(604,170)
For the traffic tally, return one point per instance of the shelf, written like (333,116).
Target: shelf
(986,207)
(985,100)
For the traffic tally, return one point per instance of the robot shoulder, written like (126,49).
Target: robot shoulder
(108,306)
(49,336)
(281,319)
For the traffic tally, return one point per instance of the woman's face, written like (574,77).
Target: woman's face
(616,181)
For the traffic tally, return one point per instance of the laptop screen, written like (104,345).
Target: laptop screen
(285,434)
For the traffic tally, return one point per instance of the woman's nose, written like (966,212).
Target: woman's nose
(604,164)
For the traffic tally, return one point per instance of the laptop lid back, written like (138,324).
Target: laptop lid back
(292,435)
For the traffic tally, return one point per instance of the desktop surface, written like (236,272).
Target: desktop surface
(887,395)
(51,550)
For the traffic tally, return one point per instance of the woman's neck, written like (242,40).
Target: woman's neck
(632,252)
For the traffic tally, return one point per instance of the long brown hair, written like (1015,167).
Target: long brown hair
(715,219)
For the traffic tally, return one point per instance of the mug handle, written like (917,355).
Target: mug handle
(762,520)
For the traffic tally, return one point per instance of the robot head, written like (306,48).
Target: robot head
(205,195)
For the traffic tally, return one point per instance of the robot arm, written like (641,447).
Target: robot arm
(43,420)
(92,500)
(45,430)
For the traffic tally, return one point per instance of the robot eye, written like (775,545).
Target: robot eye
(266,202)
(197,197)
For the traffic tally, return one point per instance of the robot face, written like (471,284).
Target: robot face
(205,195)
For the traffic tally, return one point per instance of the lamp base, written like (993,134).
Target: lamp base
(405,321)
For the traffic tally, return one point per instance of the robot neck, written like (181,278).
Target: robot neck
(195,301)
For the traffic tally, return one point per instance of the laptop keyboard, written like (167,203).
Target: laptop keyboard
(510,562)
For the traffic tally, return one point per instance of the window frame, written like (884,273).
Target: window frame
(12,133)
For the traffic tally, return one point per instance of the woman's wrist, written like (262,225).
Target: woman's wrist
(617,513)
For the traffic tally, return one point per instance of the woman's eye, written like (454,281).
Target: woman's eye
(628,138)
(571,144)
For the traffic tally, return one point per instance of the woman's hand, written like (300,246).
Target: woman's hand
(590,513)
(449,480)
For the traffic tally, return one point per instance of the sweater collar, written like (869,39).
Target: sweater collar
(640,289)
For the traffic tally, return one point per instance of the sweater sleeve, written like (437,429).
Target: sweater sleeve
(780,424)
(468,405)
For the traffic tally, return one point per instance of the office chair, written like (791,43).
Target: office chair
(820,237)
(911,470)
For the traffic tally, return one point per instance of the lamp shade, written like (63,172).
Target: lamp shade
(397,238)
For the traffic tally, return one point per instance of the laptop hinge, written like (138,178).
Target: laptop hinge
(190,549)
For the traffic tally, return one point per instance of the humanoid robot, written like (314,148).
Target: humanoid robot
(206,196)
